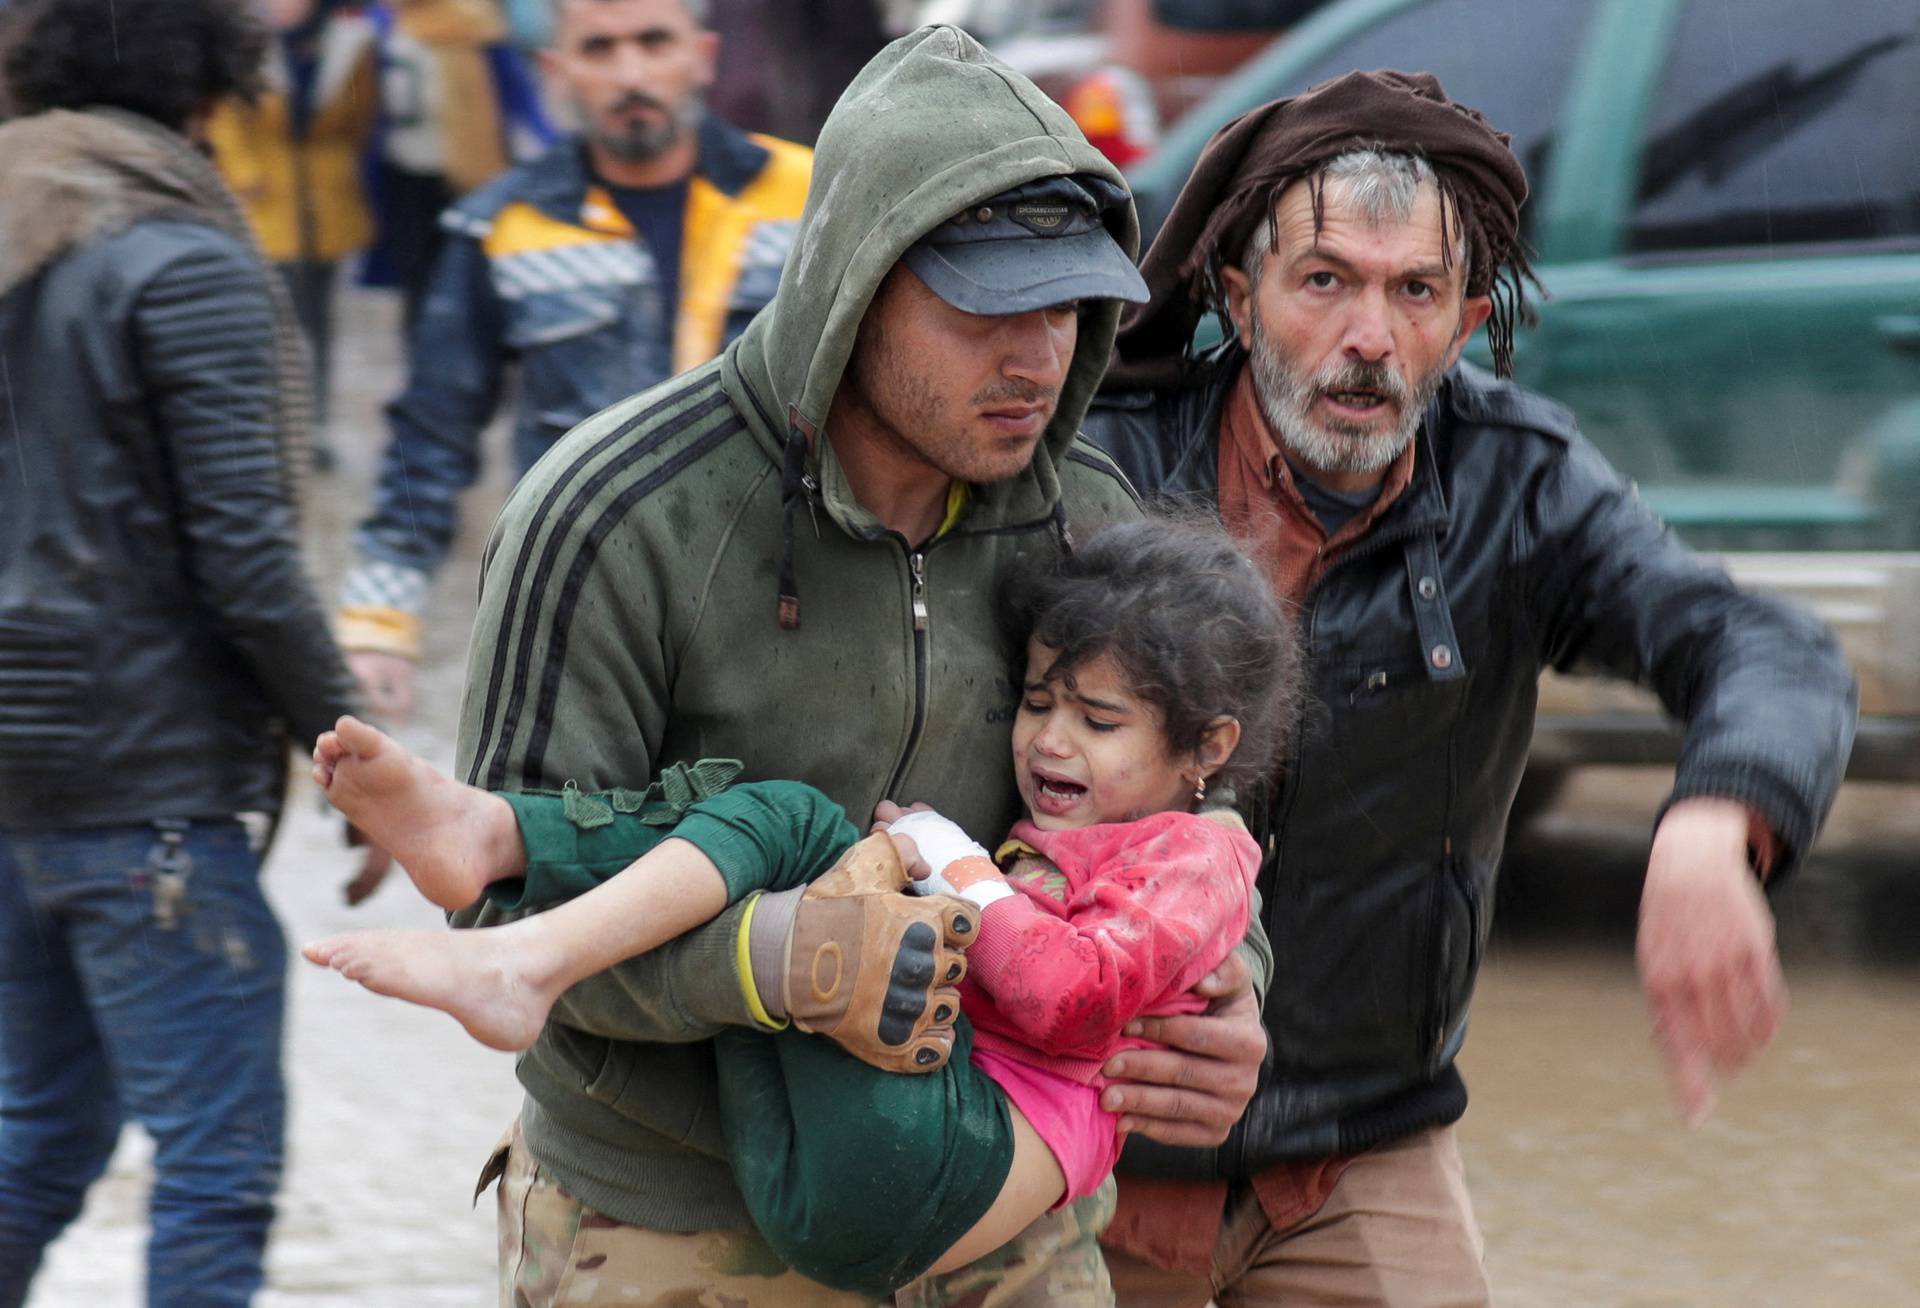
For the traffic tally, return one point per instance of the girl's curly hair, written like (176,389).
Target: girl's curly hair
(1192,622)
(162,59)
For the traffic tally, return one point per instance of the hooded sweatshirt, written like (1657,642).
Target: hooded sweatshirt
(688,575)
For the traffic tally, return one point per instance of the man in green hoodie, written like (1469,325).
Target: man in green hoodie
(791,556)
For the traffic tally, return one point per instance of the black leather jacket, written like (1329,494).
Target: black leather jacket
(1515,548)
(157,636)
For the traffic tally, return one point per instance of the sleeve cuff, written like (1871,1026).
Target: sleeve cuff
(991,952)
(741,862)
(378,630)
(380,607)
(743,967)
(1779,806)
(1763,846)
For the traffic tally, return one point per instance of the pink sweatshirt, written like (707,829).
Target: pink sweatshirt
(1113,922)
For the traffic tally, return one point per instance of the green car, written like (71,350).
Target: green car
(1726,214)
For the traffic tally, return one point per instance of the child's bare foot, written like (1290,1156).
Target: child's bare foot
(480,977)
(453,840)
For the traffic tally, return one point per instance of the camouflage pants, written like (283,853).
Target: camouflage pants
(1054,1261)
(555,1252)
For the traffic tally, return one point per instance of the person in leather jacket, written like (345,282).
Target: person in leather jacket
(1446,536)
(158,642)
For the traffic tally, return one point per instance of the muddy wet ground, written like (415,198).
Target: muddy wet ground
(1802,1191)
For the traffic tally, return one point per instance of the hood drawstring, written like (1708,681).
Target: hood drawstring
(1062,532)
(793,493)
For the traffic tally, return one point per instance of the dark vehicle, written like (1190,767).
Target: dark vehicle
(1726,209)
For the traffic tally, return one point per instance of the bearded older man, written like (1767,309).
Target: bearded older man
(1447,535)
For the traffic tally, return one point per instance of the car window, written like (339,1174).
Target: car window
(1782,122)
(1510,59)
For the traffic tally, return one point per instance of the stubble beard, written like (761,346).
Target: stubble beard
(642,143)
(1331,444)
(914,418)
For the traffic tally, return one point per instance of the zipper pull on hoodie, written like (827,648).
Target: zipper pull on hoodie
(1061,531)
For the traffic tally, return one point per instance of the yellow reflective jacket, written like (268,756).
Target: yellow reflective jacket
(303,193)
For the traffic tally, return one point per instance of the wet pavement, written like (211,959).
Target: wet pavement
(1802,1191)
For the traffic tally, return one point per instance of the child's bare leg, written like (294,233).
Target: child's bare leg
(453,840)
(1034,1184)
(500,982)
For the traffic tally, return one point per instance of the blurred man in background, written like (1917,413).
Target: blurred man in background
(619,258)
(158,643)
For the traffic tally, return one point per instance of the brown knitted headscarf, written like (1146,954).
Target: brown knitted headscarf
(1251,160)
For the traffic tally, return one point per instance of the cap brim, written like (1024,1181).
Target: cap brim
(1017,276)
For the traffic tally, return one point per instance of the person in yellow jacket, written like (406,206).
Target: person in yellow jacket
(293,155)
(458,104)
(633,251)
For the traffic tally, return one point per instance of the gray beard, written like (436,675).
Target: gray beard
(1330,445)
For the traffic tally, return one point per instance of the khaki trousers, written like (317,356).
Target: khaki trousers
(1397,1231)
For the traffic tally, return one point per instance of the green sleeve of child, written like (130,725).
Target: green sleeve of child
(762,835)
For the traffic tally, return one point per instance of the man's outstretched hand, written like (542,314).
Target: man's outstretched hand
(1706,950)
(1193,1091)
(387,682)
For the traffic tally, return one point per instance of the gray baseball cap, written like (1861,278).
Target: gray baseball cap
(1039,244)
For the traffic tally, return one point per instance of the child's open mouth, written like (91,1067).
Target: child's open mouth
(1056,796)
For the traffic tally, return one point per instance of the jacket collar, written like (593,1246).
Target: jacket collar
(1423,506)
(559,181)
(1198,465)
(77,176)
(729,158)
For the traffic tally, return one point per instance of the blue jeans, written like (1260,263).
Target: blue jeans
(142,978)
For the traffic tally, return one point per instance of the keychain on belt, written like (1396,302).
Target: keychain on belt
(171,864)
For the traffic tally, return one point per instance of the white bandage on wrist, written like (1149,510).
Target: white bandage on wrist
(941,843)
(988,890)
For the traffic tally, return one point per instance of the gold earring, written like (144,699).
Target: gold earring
(1200,790)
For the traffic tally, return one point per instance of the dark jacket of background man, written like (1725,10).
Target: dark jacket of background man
(158,644)
(158,638)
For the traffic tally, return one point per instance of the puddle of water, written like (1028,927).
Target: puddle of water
(1803,1189)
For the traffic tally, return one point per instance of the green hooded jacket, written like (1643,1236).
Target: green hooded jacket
(631,612)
